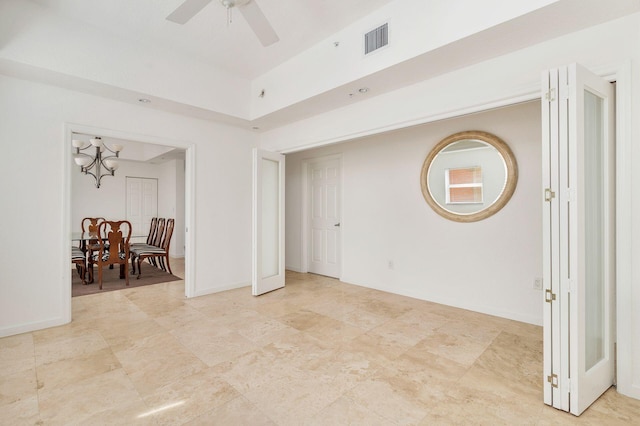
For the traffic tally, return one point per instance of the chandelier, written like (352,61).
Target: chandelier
(95,163)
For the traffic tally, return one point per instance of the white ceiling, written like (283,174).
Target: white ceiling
(207,36)
(207,68)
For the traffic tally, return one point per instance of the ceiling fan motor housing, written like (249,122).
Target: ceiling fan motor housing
(233,3)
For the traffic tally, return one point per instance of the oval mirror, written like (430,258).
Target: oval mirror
(469,176)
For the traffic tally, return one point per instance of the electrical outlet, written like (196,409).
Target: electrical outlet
(390,264)
(537,284)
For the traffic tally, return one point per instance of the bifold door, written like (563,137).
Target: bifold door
(579,211)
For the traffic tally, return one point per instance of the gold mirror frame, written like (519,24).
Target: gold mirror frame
(511,176)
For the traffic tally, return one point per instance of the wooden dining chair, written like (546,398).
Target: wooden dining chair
(90,245)
(156,241)
(113,241)
(161,252)
(90,227)
(78,258)
(151,235)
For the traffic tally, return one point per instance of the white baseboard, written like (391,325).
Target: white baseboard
(213,290)
(294,269)
(32,326)
(488,310)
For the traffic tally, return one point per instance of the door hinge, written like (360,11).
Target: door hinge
(549,296)
(549,194)
(553,379)
(564,92)
(550,96)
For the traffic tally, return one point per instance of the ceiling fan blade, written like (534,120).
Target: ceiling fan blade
(187,10)
(259,23)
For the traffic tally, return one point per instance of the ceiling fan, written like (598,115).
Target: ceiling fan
(249,9)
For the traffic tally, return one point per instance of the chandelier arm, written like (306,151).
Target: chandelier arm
(110,156)
(90,165)
(110,150)
(99,178)
(87,172)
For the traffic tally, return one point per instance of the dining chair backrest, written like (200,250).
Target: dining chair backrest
(152,230)
(157,239)
(157,254)
(90,228)
(168,232)
(114,238)
(90,225)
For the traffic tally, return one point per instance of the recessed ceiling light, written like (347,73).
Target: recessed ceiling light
(144,100)
(363,89)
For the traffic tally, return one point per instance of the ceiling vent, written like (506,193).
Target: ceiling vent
(375,39)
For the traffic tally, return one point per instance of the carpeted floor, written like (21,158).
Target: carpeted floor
(111,281)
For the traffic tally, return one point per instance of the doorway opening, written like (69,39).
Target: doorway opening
(169,164)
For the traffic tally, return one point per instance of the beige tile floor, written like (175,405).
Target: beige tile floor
(318,352)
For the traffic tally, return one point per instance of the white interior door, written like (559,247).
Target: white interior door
(142,203)
(268,222)
(324,178)
(579,258)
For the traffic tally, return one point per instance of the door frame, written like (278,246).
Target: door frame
(305,239)
(189,217)
(624,239)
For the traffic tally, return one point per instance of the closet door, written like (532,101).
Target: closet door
(141,203)
(579,214)
(324,212)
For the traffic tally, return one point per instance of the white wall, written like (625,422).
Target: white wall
(487,266)
(109,201)
(35,184)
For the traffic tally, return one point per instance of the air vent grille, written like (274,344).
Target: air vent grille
(375,39)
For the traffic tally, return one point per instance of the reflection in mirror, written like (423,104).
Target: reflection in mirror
(469,176)
(463,185)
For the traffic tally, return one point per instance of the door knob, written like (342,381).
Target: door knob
(337,224)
